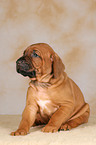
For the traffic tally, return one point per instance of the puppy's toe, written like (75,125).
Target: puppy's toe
(65,127)
(48,128)
(19,132)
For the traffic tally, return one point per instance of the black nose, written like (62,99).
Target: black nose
(21,60)
(22,65)
(18,66)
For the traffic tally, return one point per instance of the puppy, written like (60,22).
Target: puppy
(53,99)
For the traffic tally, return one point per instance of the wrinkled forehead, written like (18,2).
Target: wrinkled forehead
(42,48)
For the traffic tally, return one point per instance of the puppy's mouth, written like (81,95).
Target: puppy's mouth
(31,74)
(25,68)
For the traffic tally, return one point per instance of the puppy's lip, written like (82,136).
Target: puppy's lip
(30,74)
(33,79)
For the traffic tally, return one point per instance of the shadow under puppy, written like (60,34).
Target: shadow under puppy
(53,98)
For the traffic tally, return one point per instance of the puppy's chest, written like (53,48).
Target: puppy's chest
(46,106)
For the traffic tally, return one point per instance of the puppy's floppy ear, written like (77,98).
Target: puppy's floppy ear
(57,65)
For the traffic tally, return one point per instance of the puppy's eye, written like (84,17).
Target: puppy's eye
(34,54)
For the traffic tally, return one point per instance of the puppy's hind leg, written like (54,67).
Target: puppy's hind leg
(74,122)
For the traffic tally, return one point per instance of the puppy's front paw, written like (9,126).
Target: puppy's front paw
(49,128)
(19,132)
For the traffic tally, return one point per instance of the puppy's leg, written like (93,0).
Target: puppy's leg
(28,116)
(77,121)
(60,116)
(28,119)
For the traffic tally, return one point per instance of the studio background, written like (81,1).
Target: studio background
(68,26)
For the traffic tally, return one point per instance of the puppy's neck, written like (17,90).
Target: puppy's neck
(47,81)
(58,81)
(37,84)
(43,81)
(45,78)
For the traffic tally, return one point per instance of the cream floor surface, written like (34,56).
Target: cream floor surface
(83,135)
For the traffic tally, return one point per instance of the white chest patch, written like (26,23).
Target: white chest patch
(47,107)
(43,103)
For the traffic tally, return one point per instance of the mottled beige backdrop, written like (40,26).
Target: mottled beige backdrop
(69,26)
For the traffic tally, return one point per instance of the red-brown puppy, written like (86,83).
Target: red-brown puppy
(53,98)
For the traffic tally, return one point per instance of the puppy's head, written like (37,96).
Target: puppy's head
(39,60)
